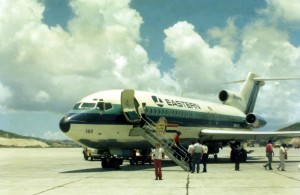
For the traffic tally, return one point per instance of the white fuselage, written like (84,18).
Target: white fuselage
(98,126)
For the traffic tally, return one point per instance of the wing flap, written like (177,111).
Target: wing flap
(210,134)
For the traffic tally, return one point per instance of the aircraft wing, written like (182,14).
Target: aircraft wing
(231,135)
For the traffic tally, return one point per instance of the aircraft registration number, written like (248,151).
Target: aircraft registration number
(89,130)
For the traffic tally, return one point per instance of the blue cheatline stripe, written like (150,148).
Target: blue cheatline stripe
(199,119)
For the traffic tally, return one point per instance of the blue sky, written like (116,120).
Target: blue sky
(55,52)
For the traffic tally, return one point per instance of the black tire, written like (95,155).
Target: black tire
(131,161)
(104,163)
(215,156)
(85,157)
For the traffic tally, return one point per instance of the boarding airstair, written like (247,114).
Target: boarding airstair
(152,132)
(153,135)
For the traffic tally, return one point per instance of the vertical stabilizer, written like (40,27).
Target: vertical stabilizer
(249,92)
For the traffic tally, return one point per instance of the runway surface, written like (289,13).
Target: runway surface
(64,171)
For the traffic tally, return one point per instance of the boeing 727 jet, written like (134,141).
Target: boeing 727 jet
(109,120)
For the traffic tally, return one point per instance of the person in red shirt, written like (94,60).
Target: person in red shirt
(177,145)
(269,154)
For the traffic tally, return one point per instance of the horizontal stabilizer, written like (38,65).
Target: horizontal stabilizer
(265,79)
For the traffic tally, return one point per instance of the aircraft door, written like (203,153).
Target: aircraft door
(128,104)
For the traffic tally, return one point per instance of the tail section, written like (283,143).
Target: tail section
(250,91)
(245,99)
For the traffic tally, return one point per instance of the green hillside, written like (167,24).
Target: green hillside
(293,127)
(7,134)
(51,143)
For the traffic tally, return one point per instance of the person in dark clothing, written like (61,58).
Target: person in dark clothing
(204,156)
(237,156)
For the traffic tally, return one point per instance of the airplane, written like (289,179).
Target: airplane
(104,120)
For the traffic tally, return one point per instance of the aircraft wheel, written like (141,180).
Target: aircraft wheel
(120,161)
(114,163)
(104,163)
(85,157)
(131,161)
(215,156)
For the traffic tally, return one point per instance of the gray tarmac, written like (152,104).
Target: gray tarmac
(64,171)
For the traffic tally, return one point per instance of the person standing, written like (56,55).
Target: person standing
(142,114)
(204,156)
(177,145)
(197,154)
(190,151)
(158,155)
(269,154)
(282,154)
(237,156)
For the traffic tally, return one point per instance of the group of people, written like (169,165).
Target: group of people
(197,153)
(270,154)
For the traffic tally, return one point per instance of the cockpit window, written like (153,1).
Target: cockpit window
(76,106)
(93,105)
(104,106)
(108,106)
(86,105)
(100,105)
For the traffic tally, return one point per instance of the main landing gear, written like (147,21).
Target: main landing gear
(111,162)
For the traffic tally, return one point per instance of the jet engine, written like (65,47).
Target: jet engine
(255,121)
(232,99)
(227,97)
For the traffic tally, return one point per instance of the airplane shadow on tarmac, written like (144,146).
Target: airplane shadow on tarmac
(124,167)
(169,163)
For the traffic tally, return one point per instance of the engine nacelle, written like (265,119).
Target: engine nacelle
(255,121)
(232,99)
(228,97)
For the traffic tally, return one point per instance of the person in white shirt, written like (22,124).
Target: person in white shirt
(197,154)
(142,114)
(282,154)
(190,152)
(158,154)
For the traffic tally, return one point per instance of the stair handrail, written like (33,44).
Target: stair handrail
(170,144)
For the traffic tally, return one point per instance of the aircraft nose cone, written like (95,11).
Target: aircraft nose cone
(64,124)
